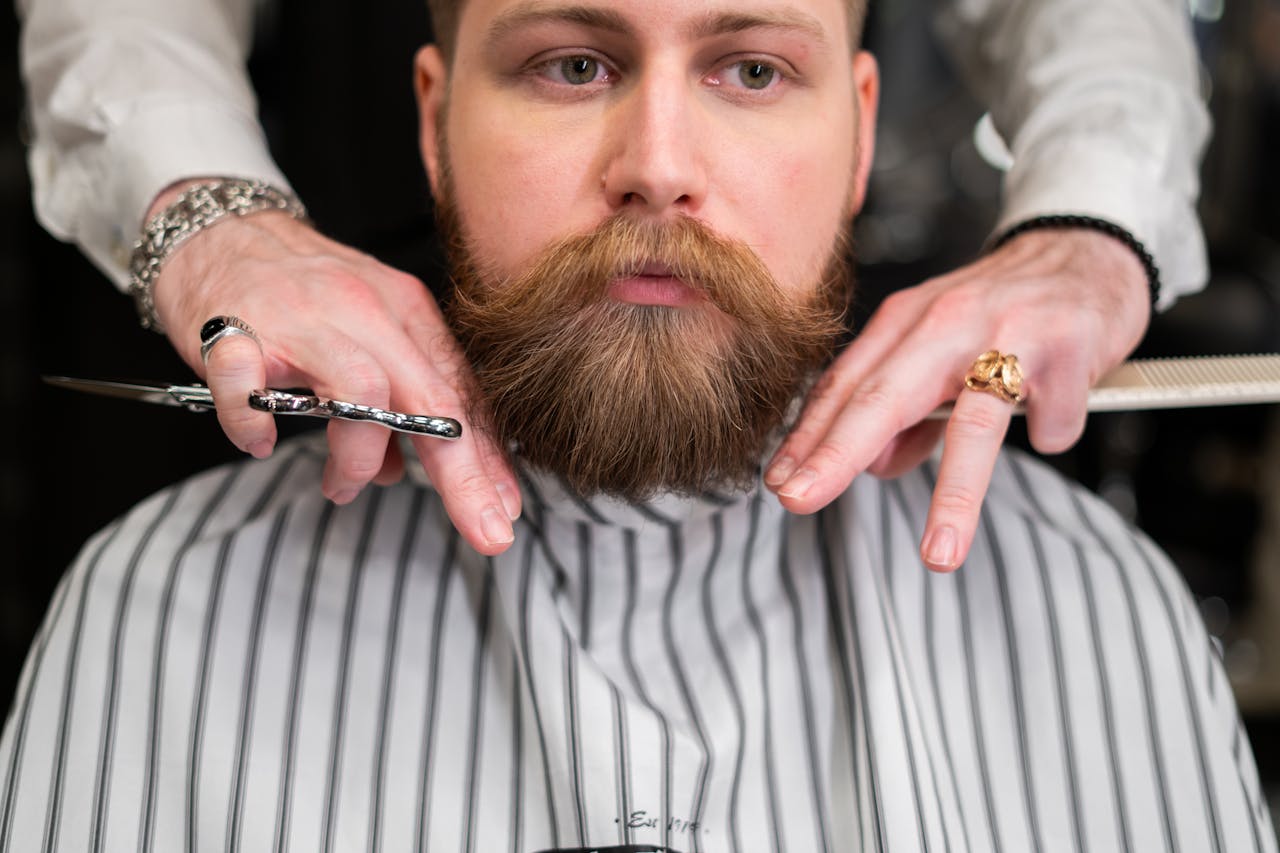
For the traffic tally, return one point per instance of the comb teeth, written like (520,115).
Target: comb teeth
(1178,382)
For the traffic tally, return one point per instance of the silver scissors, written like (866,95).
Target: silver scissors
(198,398)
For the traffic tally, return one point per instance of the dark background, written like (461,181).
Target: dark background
(335,86)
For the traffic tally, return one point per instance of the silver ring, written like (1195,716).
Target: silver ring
(223,326)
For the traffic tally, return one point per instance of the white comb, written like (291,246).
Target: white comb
(1174,383)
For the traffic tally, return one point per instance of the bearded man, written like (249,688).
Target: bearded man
(646,204)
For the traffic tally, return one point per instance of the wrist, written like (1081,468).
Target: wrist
(1109,233)
(185,209)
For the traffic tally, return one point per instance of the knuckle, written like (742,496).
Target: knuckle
(831,455)
(956,499)
(878,400)
(972,422)
(359,469)
(469,482)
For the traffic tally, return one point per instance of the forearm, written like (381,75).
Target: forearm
(128,97)
(1100,105)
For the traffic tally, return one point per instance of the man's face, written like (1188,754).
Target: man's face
(646,202)
(753,116)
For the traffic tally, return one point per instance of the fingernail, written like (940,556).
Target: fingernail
(260,449)
(940,549)
(799,485)
(345,497)
(496,527)
(779,471)
(509,503)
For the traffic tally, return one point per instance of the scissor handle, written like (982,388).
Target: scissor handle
(290,403)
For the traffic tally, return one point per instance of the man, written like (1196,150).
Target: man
(1099,102)
(240,664)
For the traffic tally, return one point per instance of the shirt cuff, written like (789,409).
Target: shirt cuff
(100,201)
(1084,177)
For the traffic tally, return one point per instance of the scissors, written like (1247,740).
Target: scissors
(198,398)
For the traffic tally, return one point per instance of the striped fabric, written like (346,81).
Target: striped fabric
(238,665)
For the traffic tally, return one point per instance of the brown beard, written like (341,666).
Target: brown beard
(633,400)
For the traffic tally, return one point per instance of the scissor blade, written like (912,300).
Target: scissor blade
(187,396)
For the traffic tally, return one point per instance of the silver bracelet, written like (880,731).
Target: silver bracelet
(196,209)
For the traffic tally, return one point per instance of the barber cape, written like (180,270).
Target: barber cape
(239,665)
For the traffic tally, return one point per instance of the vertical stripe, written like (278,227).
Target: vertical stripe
(573,735)
(250,680)
(1159,776)
(426,764)
(735,695)
(676,546)
(1065,733)
(390,664)
(107,742)
(1104,690)
(517,764)
(628,655)
(526,582)
(352,598)
(868,742)
(973,693)
(161,655)
(213,607)
(1014,668)
(757,628)
(53,808)
(822,829)
(301,642)
(477,711)
(898,666)
(585,570)
(622,749)
(27,692)
(931,642)
(1192,703)
(829,559)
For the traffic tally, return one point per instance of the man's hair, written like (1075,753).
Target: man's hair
(445,14)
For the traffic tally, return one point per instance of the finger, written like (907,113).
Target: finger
(880,408)
(356,450)
(432,337)
(427,373)
(392,466)
(907,450)
(884,332)
(235,369)
(975,433)
(1056,415)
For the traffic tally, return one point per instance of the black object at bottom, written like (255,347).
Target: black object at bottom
(625,848)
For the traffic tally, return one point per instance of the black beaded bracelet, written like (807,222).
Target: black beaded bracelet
(1093,223)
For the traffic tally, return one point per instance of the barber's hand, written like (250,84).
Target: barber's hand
(337,321)
(1071,304)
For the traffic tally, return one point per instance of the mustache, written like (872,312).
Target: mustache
(576,272)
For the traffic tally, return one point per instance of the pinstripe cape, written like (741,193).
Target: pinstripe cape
(239,665)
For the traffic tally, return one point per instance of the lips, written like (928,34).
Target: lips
(654,284)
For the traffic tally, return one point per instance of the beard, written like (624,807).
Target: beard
(636,400)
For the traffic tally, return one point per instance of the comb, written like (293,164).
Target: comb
(1174,383)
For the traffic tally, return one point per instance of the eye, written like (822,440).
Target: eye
(576,70)
(756,75)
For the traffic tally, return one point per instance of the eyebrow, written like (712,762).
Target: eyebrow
(722,23)
(608,20)
(527,14)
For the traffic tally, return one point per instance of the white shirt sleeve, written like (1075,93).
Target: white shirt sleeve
(1100,104)
(127,97)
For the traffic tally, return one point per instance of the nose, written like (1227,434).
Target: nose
(655,165)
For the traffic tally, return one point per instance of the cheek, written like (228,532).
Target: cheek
(515,196)
(796,214)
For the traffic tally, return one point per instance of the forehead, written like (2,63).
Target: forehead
(657,22)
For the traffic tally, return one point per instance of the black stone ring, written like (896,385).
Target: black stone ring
(223,326)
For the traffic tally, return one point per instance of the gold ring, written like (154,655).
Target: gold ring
(998,374)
